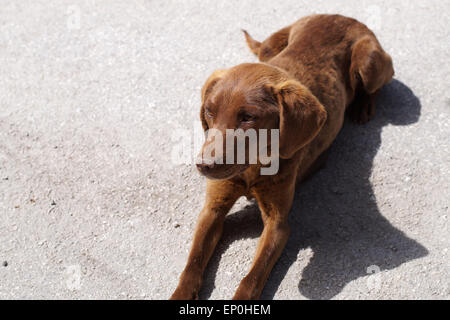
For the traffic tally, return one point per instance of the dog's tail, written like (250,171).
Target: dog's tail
(252,43)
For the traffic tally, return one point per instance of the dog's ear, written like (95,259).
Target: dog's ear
(301,116)
(206,90)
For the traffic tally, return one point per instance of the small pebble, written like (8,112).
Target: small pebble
(5,263)
(336,190)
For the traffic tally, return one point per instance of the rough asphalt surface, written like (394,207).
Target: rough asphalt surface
(92,206)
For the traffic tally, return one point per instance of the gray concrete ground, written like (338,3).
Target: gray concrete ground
(92,206)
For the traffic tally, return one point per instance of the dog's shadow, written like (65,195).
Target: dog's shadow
(335,213)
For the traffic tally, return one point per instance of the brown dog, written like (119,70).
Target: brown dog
(311,72)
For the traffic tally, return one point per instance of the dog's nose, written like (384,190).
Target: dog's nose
(205,166)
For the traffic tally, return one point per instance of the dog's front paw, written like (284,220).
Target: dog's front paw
(182,294)
(242,296)
(246,291)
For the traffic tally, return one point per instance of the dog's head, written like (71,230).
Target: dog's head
(251,97)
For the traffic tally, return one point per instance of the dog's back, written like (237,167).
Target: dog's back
(319,50)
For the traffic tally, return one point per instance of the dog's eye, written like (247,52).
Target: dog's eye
(247,117)
(208,113)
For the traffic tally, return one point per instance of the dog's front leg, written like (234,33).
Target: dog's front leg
(275,202)
(220,197)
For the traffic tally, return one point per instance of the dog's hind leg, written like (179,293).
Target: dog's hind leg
(270,47)
(362,108)
(370,69)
